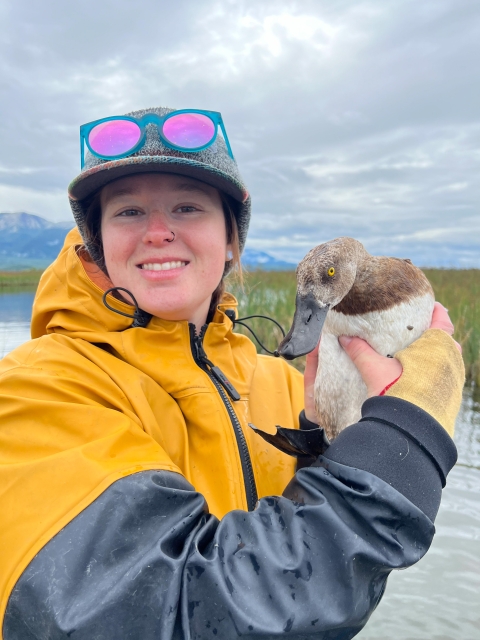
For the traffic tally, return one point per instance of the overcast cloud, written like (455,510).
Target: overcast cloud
(356,118)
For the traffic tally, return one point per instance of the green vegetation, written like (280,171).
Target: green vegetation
(19,280)
(270,293)
(459,291)
(273,293)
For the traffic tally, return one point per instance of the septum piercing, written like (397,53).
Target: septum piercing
(173,238)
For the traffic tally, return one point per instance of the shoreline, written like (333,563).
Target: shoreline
(10,281)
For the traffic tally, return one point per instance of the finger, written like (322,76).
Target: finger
(359,350)
(458,345)
(309,375)
(311,364)
(314,352)
(376,370)
(441,319)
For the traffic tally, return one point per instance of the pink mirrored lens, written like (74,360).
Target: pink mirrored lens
(189,130)
(114,137)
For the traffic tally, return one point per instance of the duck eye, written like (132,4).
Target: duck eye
(331,272)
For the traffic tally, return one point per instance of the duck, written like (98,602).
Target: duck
(343,290)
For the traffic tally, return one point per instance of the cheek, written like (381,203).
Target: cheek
(117,245)
(211,244)
(110,248)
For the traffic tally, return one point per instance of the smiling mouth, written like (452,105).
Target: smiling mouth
(164,266)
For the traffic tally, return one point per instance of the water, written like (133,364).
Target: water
(15,313)
(439,598)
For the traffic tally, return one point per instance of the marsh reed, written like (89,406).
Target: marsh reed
(19,280)
(459,291)
(272,293)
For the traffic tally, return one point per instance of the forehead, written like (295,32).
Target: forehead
(145,184)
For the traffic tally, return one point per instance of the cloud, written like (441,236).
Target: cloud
(347,118)
(48,204)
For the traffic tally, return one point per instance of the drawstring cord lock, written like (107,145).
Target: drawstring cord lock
(140,318)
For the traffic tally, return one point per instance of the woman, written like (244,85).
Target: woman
(130,477)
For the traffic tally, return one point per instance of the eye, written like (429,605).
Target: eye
(331,271)
(187,208)
(129,213)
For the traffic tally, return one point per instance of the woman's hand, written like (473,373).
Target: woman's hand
(379,372)
(309,381)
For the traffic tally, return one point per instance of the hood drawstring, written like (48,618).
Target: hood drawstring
(140,318)
(230,313)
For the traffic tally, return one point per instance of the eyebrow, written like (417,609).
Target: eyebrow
(188,186)
(123,191)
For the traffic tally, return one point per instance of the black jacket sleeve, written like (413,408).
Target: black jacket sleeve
(146,559)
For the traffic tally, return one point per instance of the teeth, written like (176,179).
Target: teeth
(166,266)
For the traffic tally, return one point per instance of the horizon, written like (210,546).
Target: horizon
(248,250)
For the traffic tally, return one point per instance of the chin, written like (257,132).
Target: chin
(174,312)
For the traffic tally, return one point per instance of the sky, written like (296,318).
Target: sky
(357,118)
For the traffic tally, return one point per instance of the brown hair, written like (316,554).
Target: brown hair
(94,244)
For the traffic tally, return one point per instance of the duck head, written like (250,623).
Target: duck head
(324,277)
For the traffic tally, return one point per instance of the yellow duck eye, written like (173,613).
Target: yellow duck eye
(331,272)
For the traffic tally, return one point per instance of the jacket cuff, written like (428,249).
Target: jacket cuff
(401,444)
(305,423)
(416,423)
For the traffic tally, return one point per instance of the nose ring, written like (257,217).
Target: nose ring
(172,238)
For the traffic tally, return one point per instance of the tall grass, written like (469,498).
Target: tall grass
(459,291)
(20,280)
(272,293)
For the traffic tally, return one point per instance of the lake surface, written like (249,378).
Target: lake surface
(439,598)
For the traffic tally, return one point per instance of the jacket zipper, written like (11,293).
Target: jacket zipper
(224,387)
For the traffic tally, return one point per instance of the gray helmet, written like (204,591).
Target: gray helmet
(212,165)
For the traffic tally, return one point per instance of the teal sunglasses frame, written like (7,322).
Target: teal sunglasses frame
(153,118)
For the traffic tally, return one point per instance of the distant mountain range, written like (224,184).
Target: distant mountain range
(28,241)
(254,259)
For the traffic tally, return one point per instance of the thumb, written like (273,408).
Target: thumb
(377,371)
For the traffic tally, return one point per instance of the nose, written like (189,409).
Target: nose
(158,230)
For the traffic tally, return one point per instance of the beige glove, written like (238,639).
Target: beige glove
(433,377)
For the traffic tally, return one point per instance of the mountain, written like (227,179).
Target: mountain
(28,241)
(18,222)
(254,259)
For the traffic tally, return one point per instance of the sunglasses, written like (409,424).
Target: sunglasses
(119,136)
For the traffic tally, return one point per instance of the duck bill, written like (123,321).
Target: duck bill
(306,329)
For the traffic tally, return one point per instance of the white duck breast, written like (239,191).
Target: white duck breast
(343,290)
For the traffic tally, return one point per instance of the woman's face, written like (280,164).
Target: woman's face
(171,280)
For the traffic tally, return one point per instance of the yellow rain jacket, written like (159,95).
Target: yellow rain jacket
(90,400)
